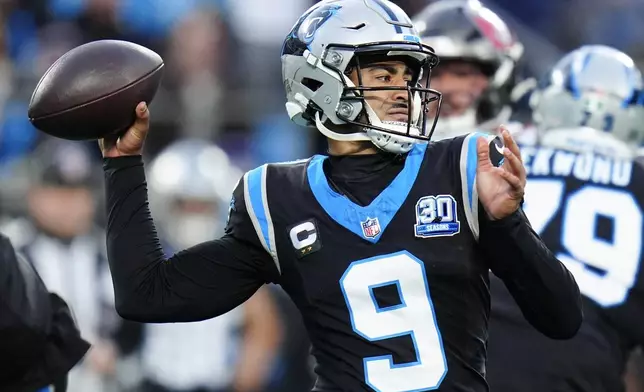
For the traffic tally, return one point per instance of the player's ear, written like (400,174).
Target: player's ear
(352,73)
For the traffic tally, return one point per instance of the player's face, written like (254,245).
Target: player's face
(462,84)
(389,105)
(62,211)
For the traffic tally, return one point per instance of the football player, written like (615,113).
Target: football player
(384,245)
(39,339)
(585,198)
(479,64)
(190,182)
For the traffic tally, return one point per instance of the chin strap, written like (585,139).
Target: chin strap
(343,137)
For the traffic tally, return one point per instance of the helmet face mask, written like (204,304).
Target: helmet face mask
(419,96)
(317,68)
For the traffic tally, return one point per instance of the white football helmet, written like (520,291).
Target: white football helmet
(591,100)
(330,40)
(191,181)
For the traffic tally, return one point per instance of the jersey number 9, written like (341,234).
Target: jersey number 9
(413,315)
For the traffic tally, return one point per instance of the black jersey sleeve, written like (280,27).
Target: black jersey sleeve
(198,283)
(541,285)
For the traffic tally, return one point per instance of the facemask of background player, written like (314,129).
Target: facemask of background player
(192,222)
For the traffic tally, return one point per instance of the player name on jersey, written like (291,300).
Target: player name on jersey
(542,161)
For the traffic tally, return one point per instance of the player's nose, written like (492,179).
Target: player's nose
(400,95)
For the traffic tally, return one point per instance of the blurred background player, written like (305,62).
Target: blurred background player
(190,182)
(39,340)
(60,238)
(585,198)
(479,65)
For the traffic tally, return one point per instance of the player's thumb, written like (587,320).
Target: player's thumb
(131,143)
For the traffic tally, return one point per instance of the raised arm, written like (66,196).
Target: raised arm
(195,284)
(493,179)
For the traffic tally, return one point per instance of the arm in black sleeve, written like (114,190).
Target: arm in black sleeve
(541,285)
(39,341)
(201,282)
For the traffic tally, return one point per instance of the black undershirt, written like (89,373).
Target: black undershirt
(361,178)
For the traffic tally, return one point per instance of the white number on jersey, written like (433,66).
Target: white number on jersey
(617,259)
(414,316)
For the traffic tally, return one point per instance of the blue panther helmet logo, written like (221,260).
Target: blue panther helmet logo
(304,30)
(313,21)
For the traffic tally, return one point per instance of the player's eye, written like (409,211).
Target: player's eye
(384,78)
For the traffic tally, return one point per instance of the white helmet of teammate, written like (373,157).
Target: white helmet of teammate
(191,181)
(326,44)
(591,100)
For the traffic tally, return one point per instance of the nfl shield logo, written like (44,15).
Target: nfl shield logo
(371,227)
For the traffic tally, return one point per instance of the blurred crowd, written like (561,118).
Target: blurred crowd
(219,111)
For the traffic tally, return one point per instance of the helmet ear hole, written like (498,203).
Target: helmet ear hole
(312,84)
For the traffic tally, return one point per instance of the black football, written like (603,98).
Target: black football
(91,91)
